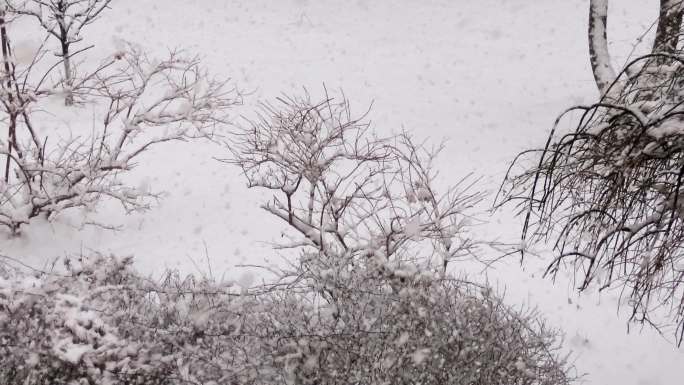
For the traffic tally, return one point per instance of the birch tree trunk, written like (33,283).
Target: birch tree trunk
(604,74)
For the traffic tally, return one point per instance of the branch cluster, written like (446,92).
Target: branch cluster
(349,193)
(610,191)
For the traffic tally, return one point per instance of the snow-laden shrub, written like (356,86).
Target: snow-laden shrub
(101,323)
(51,333)
(417,329)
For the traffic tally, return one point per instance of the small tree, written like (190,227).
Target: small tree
(63,20)
(609,191)
(357,191)
(138,101)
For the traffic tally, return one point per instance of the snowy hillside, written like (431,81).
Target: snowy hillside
(489,76)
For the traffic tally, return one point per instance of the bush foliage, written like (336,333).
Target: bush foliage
(102,323)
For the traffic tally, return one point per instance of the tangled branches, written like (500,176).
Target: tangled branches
(611,191)
(101,322)
(432,331)
(348,192)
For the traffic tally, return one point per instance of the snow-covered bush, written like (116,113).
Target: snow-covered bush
(53,329)
(130,102)
(102,323)
(431,331)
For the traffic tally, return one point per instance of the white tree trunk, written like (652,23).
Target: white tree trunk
(604,74)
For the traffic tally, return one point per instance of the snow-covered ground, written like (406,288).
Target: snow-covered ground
(489,75)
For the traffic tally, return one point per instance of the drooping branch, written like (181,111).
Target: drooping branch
(608,195)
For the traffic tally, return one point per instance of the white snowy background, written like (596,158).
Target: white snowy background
(489,76)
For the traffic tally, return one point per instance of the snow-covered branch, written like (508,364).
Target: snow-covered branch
(669,26)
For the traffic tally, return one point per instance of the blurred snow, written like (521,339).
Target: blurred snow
(489,76)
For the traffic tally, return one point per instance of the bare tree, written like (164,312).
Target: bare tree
(139,102)
(347,191)
(64,20)
(609,191)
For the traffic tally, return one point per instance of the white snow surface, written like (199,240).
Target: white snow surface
(489,75)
